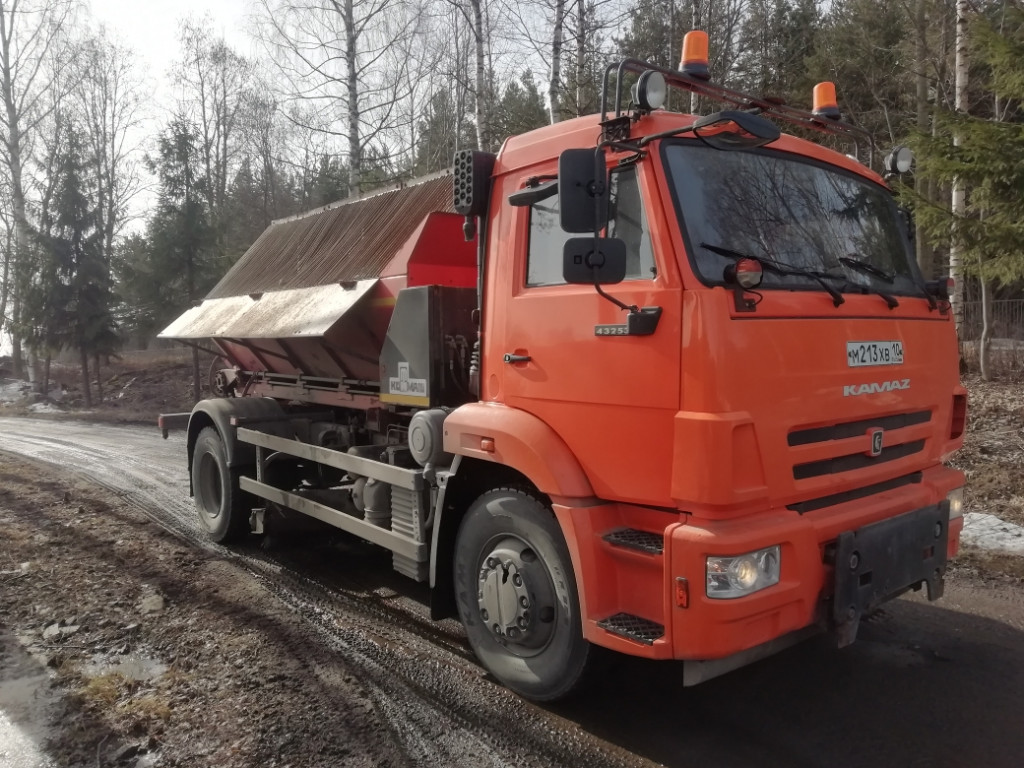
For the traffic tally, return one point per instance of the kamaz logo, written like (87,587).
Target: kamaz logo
(875,387)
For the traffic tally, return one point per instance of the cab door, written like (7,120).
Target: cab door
(611,398)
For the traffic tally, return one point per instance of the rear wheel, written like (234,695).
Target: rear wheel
(221,504)
(516,595)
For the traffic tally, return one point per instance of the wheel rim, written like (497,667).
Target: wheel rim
(209,486)
(516,596)
(216,379)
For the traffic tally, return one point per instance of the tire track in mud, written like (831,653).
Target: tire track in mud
(437,704)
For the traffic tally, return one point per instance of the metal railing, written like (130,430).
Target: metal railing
(1006,353)
(1007,320)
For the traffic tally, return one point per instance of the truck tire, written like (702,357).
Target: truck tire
(516,595)
(219,501)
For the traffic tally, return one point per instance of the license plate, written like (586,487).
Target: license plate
(862,353)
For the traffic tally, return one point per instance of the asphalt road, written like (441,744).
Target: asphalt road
(926,685)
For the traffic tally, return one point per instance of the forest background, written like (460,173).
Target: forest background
(114,216)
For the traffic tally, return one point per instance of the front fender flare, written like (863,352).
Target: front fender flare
(517,439)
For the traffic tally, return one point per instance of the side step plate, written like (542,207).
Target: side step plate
(633,627)
(642,541)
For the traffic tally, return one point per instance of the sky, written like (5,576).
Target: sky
(150,27)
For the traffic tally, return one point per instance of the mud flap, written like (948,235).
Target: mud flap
(881,561)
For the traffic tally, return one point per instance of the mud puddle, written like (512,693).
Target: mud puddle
(27,701)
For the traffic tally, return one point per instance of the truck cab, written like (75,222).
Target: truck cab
(768,458)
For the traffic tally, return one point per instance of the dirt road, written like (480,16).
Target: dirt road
(323,656)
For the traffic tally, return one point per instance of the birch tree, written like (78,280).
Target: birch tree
(108,102)
(216,83)
(959,193)
(474,13)
(555,78)
(335,59)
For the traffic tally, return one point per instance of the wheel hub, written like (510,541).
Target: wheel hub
(515,596)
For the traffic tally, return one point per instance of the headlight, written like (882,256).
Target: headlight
(740,575)
(956,503)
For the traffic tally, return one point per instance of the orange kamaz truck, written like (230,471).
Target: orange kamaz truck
(668,384)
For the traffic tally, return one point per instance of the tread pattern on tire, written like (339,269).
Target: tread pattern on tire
(233,501)
(565,665)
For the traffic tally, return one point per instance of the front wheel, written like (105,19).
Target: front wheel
(516,595)
(219,501)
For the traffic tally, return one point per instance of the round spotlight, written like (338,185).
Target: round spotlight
(900,160)
(650,91)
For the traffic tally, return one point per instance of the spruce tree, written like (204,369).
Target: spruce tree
(989,159)
(81,303)
(520,109)
(182,243)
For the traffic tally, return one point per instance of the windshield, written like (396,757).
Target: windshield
(777,207)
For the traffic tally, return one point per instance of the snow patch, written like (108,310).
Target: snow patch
(44,408)
(17,390)
(13,390)
(989,532)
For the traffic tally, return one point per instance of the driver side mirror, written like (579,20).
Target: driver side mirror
(583,190)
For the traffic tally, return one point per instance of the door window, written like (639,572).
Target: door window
(628,223)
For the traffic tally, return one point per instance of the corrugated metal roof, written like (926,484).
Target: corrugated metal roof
(291,313)
(350,240)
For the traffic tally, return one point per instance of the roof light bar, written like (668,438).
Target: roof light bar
(693,76)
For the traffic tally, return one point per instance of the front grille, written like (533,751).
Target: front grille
(854,461)
(857,428)
(852,495)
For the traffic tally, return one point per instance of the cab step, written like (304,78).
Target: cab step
(633,627)
(641,541)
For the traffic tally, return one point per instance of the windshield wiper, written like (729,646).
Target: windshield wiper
(783,269)
(870,269)
(865,268)
(891,301)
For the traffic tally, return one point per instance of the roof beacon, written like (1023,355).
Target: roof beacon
(695,55)
(825,104)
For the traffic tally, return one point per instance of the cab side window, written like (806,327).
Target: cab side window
(628,223)
(544,259)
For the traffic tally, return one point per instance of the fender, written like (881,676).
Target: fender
(218,412)
(504,437)
(517,439)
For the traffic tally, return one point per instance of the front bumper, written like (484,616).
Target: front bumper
(893,536)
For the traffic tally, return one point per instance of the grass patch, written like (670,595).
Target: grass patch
(147,708)
(105,690)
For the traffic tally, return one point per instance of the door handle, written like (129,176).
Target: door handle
(510,358)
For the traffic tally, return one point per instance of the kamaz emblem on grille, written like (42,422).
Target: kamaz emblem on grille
(875,387)
(876,441)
